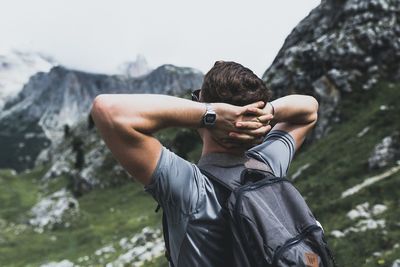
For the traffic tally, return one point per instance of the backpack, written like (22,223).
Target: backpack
(270,222)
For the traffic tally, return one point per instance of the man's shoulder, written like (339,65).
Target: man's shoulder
(277,150)
(171,173)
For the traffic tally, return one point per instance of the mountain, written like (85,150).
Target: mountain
(74,173)
(51,102)
(340,47)
(16,68)
(136,68)
(347,54)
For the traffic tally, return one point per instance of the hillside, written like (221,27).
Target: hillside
(346,54)
(89,215)
(351,179)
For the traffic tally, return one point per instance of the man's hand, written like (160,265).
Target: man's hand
(294,114)
(237,126)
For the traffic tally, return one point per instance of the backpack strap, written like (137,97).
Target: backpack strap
(253,163)
(232,177)
(166,236)
(166,239)
(222,191)
(219,181)
(331,256)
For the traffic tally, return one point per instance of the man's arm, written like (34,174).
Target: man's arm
(126,122)
(295,114)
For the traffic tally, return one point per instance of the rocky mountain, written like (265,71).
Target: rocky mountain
(340,47)
(51,102)
(347,54)
(16,68)
(136,68)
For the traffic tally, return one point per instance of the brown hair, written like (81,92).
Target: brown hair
(230,82)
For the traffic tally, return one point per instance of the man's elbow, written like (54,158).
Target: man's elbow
(314,106)
(101,110)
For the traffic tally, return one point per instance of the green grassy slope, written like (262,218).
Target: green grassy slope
(106,216)
(340,161)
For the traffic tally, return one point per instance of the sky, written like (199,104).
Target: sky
(99,35)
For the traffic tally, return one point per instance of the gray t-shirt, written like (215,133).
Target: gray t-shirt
(195,222)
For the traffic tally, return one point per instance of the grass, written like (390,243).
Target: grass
(14,202)
(340,161)
(106,216)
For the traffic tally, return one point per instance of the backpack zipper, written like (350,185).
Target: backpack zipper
(293,241)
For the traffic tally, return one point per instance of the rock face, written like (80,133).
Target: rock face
(386,152)
(54,210)
(341,45)
(366,218)
(97,169)
(63,263)
(49,101)
(396,263)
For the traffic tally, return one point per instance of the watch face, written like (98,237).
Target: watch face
(210,118)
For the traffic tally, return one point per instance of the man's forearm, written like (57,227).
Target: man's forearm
(148,113)
(296,109)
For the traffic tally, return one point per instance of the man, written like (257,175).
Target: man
(230,128)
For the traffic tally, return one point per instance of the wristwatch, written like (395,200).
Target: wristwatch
(210,117)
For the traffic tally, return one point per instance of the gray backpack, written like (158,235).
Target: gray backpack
(270,222)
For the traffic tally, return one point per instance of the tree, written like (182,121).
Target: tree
(67,131)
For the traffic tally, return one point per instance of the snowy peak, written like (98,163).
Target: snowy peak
(136,68)
(16,68)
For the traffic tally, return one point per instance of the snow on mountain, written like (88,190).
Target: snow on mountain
(136,68)
(16,68)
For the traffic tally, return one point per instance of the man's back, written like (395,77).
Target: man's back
(198,233)
(231,112)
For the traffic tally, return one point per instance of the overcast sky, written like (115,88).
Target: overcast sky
(98,35)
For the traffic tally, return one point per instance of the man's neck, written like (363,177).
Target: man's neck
(211,146)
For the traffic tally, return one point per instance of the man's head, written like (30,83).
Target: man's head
(229,82)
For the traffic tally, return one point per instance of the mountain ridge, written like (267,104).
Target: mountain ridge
(60,98)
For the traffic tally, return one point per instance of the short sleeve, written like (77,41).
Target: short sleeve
(175,183)
(277,151)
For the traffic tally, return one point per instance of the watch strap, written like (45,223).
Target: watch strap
(209,111)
